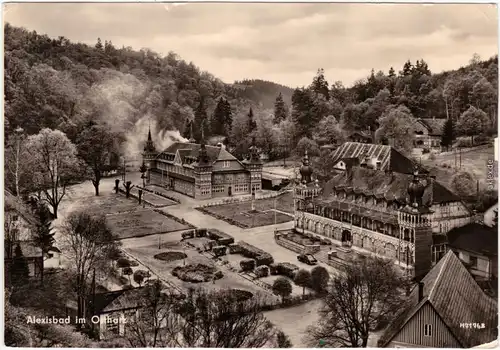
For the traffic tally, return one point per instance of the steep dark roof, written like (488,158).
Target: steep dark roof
(389,186)
(15,204)
(475,238)
(116,300)
(390,159)
(451,290)
(435,126)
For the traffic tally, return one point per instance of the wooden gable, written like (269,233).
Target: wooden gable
(178,159)
(425,329)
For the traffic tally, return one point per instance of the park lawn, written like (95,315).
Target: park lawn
(142,222)
(155,200)
(474,161)
(109,203)
(240,213)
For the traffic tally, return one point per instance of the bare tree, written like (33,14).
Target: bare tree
(89,241)
(200,319)
(15,156)
(364,295)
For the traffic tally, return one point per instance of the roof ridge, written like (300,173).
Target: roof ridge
(445,261)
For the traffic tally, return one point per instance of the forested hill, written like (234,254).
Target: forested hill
(55,83)
(263,92)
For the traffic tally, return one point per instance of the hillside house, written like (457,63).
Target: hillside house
(428,132)
(447,309)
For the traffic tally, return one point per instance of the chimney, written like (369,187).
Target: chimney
(420,291)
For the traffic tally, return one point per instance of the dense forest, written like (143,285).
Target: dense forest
(73,87)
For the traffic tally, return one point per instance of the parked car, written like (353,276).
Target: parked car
(307,259)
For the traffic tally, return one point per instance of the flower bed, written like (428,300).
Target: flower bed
(197,273)
(170,256)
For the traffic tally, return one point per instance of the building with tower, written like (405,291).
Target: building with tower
(202,171)
(379,202)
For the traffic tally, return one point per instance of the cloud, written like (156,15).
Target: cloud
(285,43)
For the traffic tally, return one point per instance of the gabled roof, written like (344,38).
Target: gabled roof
(193,150)
(435,126)
(116,300)
(389,186)
(390,159)
(455,296)
(475,238)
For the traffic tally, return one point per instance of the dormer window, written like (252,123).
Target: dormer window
(226,164)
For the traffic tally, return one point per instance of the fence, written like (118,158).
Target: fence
(239,199)
(296,247)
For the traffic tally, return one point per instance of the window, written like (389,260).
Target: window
(427,330)
(473,261)
(226,164)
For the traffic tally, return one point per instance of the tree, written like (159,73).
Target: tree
(43,235)
(98,45)
(329,131)
(495,219)
(472,122)
(365,294)
(308,145)
(228,117)
(54,163)
(283,340)
(16,174)
(19,270)
(89,242)
(217,319)
(302,112)
(127,271)
(464,184)
(95,145)
(319,279)
(303,279)
(280,110)
(200,121)
(320,85)
(252,125)
(448,135)
(396,126)
(282,287)
(218,121)
(140,276)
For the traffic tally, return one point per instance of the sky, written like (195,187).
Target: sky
(284,43)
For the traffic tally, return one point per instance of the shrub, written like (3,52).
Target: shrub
(319,279)
(188,234)
(218,275)
(122,263)
(282,287)
(262,271)
(219,250)
(482,139)
(250,251)
(221,237)
(247,264)
(234,249)
(285,269)
(201,232)
(463,143)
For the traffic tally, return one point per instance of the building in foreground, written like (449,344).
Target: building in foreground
(477,246)
(447,309)
(380,202)
(202,171)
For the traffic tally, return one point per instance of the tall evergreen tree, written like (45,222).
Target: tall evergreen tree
(392,73)
(19,272)
(218,119)
(320,85)
(228,117)
(200,120)
(302,112)
(280,112)
(98,45)
(43,236)
(186,133)
(448,135)
(252,125)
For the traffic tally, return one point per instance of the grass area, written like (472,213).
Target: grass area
(110,203)
(142,223)
(474,161)
(240,214)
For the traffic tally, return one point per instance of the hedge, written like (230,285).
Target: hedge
(188,234)
(247,264)
(284,268)
(221,237)
(262,271)
(261,257)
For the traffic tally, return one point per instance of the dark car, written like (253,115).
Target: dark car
(307,259)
